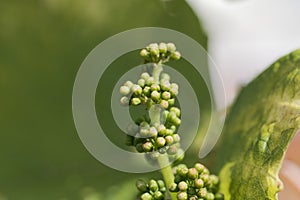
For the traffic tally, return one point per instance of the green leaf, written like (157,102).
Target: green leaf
(261,124)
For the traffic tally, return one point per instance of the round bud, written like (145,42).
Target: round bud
(141,185)
(166,95)
(174,92)
(161,183)
(160,141)
(198,183)
(165,85)
(214,179)
(199,167)
(124,101)
(147,91)
(146,196)
(162,47)
(152,132)
(141,82)
(153,48)
(173,187)
(193,173)
(176,111)
(176,138)
(165,76)
(155,87)
(164,104)
(150,81)
(155,96)
(210,196)
(158,195)
(193,198)
(145,76)
(164,115)
(124,90)
(169,131)
(205,178)
(173,128)
(171,102)
(144,53)
(161,129)
(136,89)
(169,140)
(202,193)
(172,150)
(135,101)
(153,186)
(147,146)
(128,84)
(176,55)
(182,196)
(144,132)
(171,47)
(182,170)
(183,186)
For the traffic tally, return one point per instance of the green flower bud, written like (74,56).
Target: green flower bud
(176,111)
(128,84)
(205,171)
(161,183)
(155,87)
(164,115)
(160,141)
(199,167)
(202,193)
(124,101)
(193,173)
(198,183)
(155,95)
(174,92)
(144,53)
(193,198)
(146,196)
(147,146)
(163,189)
(214,179)
(164,104)
(153,132)
(182,170)
(153,186)
(176,138)
(205,178)
(135,101)
(124,90)
(144,132)
(161,129)
(210,196)
(219,196)
(169,131)
(165,85)
(180,155)
(150,81)
(166,95)
(182,196)
(141,82)
(153,48)
(173,187)
(165,76)
(169,139)
(147,91)
(141,185)
(145,76)
(183,186)
(176,55)
(158,195)
(136,89)
(171,102)
(171,47)
(162,47)
(173,128)
(139,147)
(144,124)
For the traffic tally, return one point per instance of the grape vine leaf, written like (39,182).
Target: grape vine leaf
(261,124)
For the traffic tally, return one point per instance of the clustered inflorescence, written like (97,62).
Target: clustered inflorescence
(195,183)
(154,137)
(156,134)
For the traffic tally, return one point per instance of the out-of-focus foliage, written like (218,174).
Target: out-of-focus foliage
(42,44)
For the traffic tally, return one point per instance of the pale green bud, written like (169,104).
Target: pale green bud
(146,196)
(141,82)
(155,87)
(144,53)
(193,173)
(160,141)
(136,89)
(128,84)
(147,91)
(169,139)
(152,132)
(176,55)
(135,101)
(182,196)
(164,104)
(150,81)
(171,47)
(153,186)
(176,111)
(165,76)
(145,76)
(162,47)
(171,102)
(141,185)
(155,95)
(161,129)
(166,95)
(124,101)
(124,90)
(183,186)
(147,146)
(198,183)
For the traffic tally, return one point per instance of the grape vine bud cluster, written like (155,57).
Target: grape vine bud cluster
(154,137)
(195,183)
(153,190)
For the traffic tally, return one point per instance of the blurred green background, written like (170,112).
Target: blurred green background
(42,44)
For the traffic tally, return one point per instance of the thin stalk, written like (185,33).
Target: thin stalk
(163,159)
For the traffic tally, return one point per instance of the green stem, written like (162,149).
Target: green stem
(163,159)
